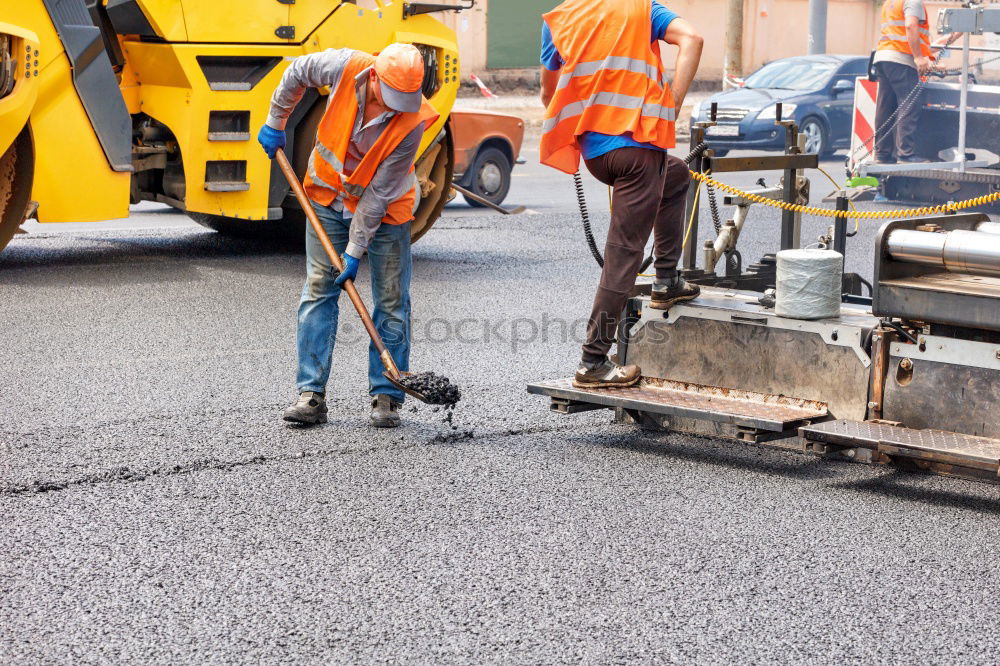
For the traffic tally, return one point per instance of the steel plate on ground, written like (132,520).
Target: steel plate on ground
(932,445)
(711,403)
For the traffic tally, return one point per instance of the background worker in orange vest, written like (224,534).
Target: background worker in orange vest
(608,100)
(361,181)
(902,56)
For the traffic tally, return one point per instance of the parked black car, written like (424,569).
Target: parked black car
(817,91)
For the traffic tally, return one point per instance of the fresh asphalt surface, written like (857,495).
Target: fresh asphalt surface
(155,509)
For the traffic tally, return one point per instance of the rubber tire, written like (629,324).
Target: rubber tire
(824,150)
(484,158)
(17,170)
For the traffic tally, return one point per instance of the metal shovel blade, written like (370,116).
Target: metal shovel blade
(405,389)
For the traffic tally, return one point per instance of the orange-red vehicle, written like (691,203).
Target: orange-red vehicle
(487,145)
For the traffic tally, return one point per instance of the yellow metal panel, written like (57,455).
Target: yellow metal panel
(73,181)
(31,15)
(173,90)
(158,65)
(167,18)
(178,96)
(307,16)
(358,28)
(16,107)
(234,20)
(128,83)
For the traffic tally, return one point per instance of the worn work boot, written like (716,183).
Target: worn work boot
(385,412)
(672,291)
(309,409)
(606,375)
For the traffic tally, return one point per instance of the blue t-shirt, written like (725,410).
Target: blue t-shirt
(593,144)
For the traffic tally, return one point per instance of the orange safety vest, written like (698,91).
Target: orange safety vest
(894,30)
(325,176)
(611,81)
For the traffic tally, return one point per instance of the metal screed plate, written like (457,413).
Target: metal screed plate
(930,445)
(776,413)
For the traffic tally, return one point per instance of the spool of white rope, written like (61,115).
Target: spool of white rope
(808,284)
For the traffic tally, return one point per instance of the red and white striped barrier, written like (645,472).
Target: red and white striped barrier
(863,126)
(482,86)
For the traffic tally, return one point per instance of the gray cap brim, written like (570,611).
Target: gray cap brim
(404,102)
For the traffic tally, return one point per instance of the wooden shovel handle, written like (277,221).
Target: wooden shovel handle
(324,239)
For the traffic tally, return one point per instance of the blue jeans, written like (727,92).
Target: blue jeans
(391,268)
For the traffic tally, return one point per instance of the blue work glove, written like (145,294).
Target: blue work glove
(271,139)
(350,270)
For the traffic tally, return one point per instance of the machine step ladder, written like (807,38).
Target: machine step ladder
(929,446)
(774,413)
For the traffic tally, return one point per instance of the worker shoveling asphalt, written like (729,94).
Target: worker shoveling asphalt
(359,196)
(424,386)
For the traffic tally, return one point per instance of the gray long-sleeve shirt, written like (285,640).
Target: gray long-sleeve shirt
(392,178)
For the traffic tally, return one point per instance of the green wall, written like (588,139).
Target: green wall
(514,31)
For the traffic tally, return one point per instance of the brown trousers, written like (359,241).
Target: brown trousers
(650,189)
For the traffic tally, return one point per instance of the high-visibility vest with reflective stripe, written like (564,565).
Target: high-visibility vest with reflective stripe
(325,176)
(894,30)
(611,81)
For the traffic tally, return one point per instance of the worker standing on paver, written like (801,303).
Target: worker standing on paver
(608,100)
(361,181)
(902,56)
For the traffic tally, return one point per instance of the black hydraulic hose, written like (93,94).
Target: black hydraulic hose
(902,331)
(693,155)
(581,201)
(713,206)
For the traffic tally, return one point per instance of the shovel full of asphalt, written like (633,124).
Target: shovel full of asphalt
(427,387)
(424,386)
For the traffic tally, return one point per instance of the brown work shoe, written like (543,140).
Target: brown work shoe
(385,412)
(674,291)
(309,409)
(606,375)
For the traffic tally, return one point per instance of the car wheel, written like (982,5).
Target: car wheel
(817,140)
(490,176)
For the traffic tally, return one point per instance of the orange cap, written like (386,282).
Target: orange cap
(400,68)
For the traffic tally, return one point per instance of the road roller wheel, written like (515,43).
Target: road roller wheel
(17,170)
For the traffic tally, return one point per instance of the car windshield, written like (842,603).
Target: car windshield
(791,75)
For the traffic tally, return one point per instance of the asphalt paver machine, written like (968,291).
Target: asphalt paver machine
(908,376)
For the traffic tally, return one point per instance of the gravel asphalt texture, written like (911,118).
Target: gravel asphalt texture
(154,508)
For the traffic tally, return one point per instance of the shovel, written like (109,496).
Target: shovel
(486,202)
(392,373)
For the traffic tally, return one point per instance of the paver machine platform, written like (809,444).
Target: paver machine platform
(909,375)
